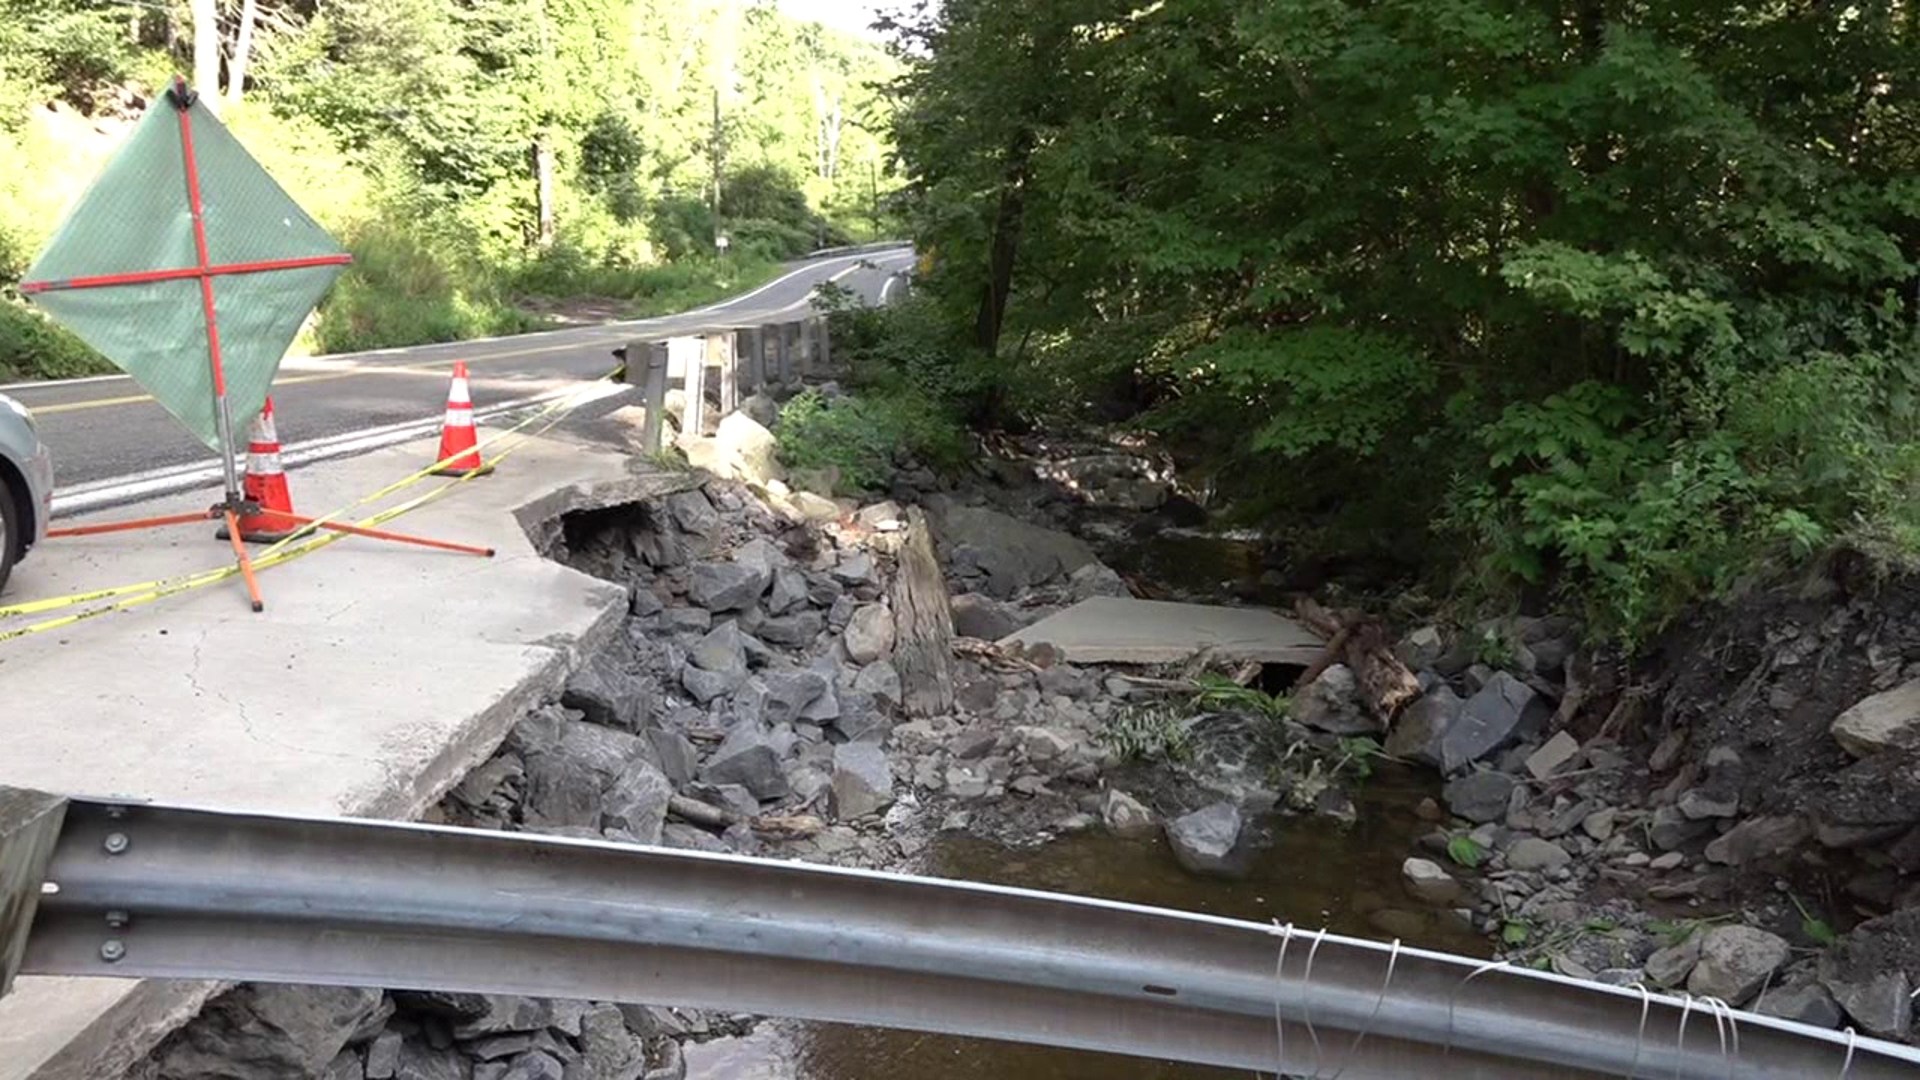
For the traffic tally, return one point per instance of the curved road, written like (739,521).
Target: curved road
(112,443)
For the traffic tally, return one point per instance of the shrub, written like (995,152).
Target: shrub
(32,347)
(403,290)
(860,435)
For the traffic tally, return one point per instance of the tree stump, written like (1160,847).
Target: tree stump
(923,624)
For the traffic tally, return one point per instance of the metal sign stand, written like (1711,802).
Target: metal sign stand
(234,504)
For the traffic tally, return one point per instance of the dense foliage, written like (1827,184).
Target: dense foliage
(1613,298)
(474,153)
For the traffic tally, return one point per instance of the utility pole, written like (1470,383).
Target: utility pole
(719,154)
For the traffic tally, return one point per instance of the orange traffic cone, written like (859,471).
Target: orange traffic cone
(458,446)
(265,485)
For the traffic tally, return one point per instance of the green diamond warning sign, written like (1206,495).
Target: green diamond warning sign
(188,266)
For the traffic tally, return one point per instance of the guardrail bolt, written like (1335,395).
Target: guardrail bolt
(116,811)
(116,919)
(112,949)
(117,843)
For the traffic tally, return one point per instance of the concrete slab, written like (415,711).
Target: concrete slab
(376,678)
(1120,630)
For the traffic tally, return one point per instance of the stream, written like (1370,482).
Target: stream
(1314,872)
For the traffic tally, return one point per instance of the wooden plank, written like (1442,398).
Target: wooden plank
(29,827)
(653,430)
(720,355)
(923,624)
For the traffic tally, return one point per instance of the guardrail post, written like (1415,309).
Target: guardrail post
(745,364)
(788,341)
(689,354)
(653,354)
(29,826)
(718,350)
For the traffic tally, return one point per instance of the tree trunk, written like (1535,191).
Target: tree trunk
(206,52)
(1006,245)
(543,185)
(242,51)
(922,624)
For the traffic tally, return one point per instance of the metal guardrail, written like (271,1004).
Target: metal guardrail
(859,249)
(176,893)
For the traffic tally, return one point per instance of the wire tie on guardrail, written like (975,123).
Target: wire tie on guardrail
(1446,1048)
(1722,1019)
(1306,1006)
(1393,958)
(1640,1040)
(1680,1036)
(1279,1025)
(1846,1067)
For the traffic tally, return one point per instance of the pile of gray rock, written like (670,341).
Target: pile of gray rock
(1536,822)
(348,1033)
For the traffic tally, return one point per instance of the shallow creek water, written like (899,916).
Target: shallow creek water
(1314,873)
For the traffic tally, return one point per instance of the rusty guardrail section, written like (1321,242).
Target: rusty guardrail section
(157,891)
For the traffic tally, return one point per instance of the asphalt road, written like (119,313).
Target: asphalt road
(112,444)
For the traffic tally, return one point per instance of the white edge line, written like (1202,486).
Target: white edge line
(39,384)
(99,494)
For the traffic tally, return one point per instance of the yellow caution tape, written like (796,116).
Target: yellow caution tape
(283,551)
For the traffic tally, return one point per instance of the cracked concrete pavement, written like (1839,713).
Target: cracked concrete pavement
(378,676)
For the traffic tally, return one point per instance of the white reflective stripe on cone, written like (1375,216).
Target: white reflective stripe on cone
(264,464)
(459,417)
(460,395)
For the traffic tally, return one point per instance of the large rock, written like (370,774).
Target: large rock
(1480,797)
(693,512)
(723,651)
(262,1030)
(1533,853)
(727,586)
(789,591)
(419,1061)
(862,780)
(790,693)
(869,634)
(1672,828)
(1504,711)
(1416,735)
(1204,840)
(751,758)
(607,694)
(1428,882)
(508,1013)
(568,764)
(1758,838)
(1734,962)
(1887,720)
(637,803)
(704,686)
(880,681)
(608,1051)
(795,630)
(742,449)
(1331,703)
(1125,815)
(1869,973)
(763,410)
(979,616)
(1808,1003)
(1004,555)
(1671,966)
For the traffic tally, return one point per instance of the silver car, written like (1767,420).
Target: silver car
(26,485)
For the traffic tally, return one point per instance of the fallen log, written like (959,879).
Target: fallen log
(1363,644)
(922,623)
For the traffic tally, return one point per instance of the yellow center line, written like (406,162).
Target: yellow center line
(295,380)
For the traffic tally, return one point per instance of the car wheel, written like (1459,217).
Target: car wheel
(9,532)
